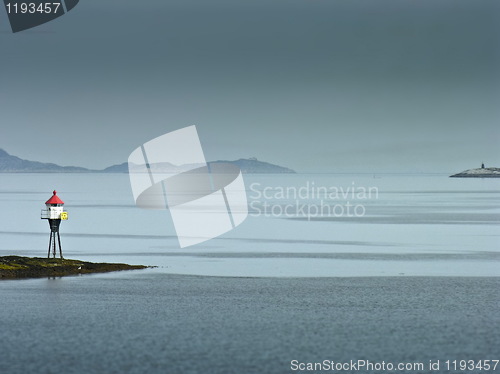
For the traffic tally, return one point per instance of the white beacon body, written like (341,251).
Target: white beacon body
(54,207)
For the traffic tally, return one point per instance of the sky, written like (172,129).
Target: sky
(314,85)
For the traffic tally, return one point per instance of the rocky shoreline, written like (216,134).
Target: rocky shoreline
(14,267)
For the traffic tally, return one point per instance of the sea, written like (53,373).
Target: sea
(348,273)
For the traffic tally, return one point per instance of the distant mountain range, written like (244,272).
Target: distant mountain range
(13,164)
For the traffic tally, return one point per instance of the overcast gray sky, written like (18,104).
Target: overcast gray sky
(315,85)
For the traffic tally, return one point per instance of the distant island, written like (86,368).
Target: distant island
(481,172)
(12,267)
(13,164)
(254,166)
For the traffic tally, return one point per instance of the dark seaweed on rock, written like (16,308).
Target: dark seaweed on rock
(12,267)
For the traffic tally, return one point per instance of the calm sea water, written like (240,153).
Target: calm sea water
(413,225)
(139,322)
(415,278)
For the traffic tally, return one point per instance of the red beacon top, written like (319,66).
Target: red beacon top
(54,199)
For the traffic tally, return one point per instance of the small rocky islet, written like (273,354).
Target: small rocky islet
(15,267)
(481,172)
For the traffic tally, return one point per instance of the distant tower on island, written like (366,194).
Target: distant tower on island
(54,213)
(482,165)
